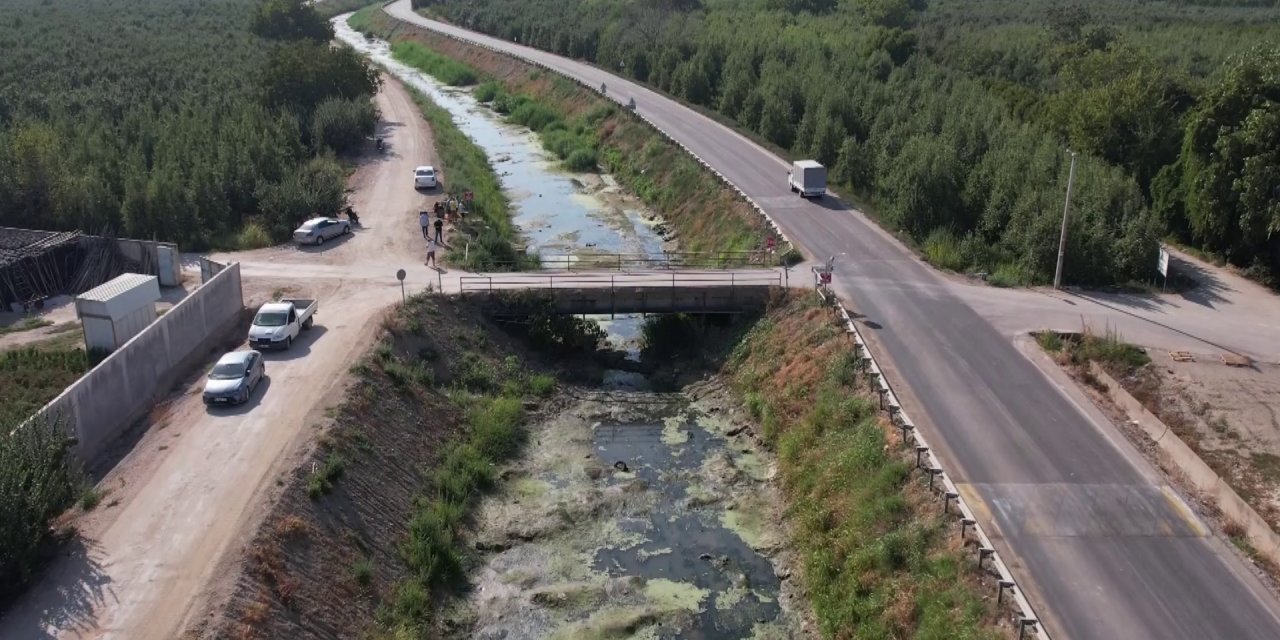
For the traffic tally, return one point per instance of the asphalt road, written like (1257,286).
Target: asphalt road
(1102,548)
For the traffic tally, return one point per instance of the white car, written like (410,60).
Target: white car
(317,230)
(424,177)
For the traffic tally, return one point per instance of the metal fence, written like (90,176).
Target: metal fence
(664,279)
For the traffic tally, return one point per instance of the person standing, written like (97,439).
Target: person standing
(439,231)
(431,252)
(424,220)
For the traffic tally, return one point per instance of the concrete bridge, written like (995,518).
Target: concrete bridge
(675,291)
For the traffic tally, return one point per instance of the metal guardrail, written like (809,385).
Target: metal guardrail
(609,281)
(940,482)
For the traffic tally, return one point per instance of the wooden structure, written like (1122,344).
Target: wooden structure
(35,265)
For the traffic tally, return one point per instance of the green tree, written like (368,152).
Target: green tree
(343,125)
(1229,162)
(300,75)
(290,20)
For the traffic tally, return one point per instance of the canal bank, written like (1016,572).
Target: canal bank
(705,215)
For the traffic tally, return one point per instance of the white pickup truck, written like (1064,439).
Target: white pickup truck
(278,324)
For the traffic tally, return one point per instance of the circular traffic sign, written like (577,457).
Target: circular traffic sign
(400,275)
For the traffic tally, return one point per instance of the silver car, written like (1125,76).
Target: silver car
(234,378)
(317,230)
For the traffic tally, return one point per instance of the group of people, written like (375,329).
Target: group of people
(451,208)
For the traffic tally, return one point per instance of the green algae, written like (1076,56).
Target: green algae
(669,595)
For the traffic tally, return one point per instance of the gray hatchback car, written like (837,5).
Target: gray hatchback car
(234,378)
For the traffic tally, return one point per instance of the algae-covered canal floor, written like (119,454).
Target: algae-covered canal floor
(633,514)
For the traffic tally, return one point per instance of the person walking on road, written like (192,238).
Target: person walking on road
(439,231)
(431,252)
(424,220)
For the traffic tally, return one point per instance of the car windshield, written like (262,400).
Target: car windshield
(227,371)
(271,319)
(424,172)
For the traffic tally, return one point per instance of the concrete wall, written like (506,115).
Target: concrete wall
(107,400)
(160,259)
(1177,455)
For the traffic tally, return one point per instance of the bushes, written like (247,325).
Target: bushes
(253,236)
(38,480)
(317,188)
(487,91)
(943,251)
(343,125)
(447,70)
(320,482)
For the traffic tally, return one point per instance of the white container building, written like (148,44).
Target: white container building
(116,311)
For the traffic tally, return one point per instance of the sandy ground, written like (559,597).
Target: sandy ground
(1230,415)
(61,311)
(1226,313)
(180,498)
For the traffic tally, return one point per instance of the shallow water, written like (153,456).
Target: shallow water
(558,211)
(631,514)
(690,546)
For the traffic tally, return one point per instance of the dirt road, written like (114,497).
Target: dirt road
(179,500)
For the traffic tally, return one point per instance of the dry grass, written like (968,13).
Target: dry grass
(290,527)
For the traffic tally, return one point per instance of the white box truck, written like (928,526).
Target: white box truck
(808,178)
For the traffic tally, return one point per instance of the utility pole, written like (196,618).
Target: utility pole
(1062,238)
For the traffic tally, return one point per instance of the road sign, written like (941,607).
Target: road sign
(1162,264)
(400,276)
(824,273)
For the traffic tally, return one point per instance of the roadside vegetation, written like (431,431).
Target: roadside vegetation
(950,119)
(587,132)
(330,8)
(880,558)
(492,239)
(39,478)
(368,537)
(201,123)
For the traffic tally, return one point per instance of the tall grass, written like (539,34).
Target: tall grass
(942,249)
(363,20)
(432,549)
(1109,349)
(876,556)
(447,70)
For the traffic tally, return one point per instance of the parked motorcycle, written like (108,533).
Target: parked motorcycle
(351,215)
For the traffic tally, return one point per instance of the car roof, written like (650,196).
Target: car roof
(314,221)
(236,357)
(425,167)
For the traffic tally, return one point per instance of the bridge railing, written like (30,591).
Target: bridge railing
(653,279)
(649,261)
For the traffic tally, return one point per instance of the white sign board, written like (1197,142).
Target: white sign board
(1163,263)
